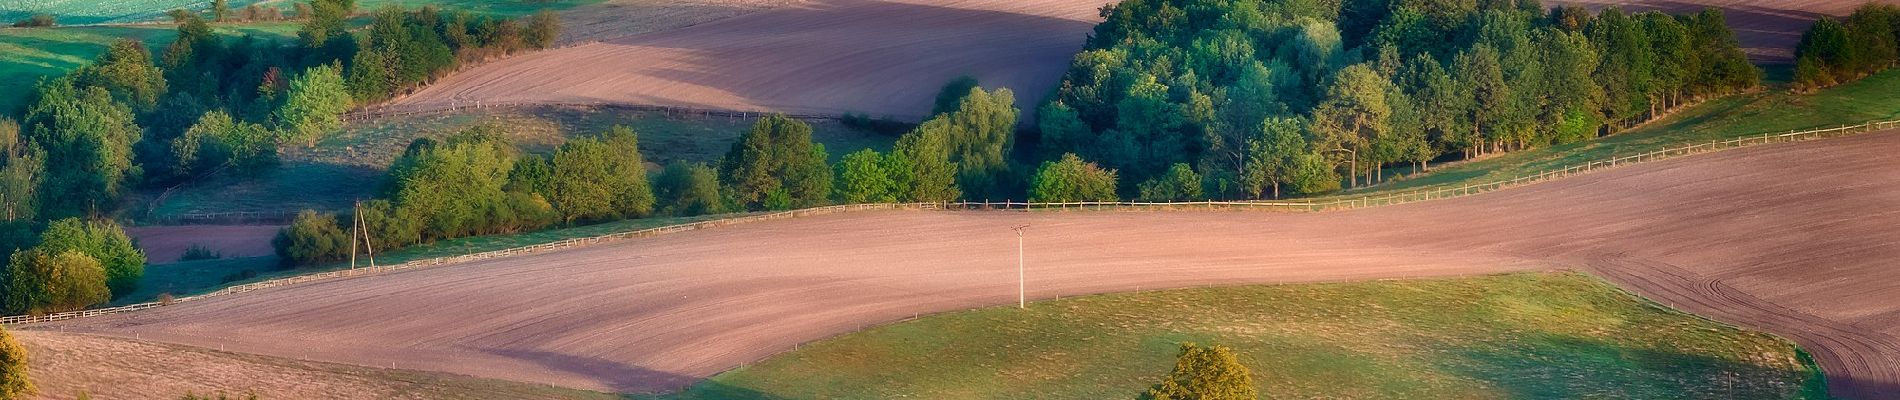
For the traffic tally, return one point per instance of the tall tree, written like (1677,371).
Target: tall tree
(1354,115)
(777,157)
(921,168)
(127,71)
(601,178)
(104,242)
(313,106)
(14,383)
(87,138)
(863,177)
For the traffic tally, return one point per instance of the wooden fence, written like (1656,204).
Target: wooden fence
(1337,203)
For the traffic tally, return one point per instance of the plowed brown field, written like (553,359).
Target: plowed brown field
(889,57)
(1796,239)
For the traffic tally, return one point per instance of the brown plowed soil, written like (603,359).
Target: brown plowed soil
(164,244)
(1796,239)
(889,57)
(879,57)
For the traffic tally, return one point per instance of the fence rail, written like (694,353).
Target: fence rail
(1369,200)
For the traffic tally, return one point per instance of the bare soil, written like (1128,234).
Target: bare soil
(164,244)
(1795,239)
(829,57)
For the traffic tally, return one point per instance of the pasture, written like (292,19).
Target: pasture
(27,55)
(1534,335)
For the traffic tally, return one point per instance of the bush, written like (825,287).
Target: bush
(864,177)
(1071,180)
(688,189)
(881,126)
(601,178)
(776,160)
(35,21)
(312,238)
(41,282)
(14,384)
(543,28)
(104,242)
(1205,373)
(313,106)
(197,252)
(1180,183)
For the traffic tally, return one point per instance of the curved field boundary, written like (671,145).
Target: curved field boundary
(1283,206)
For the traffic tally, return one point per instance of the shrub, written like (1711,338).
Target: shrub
(688,189)
(35,21)
(543,28)
(601,178)
(1070,180)
(1180,183)
(312,238)
(776,157)
(1205,373)
(40,282)
(104,242)
(197,252)
(864,177)
(313,105)
(14,384)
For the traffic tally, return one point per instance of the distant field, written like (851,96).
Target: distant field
(1539,335)
(1771,111)
(349,165)
(89,12)
(26,55)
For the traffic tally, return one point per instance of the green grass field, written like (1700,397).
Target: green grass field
(1543,335)
(1773,111)
(27,55)
(349,165)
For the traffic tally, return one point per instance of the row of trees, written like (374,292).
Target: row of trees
(1834,52)
(1259,96)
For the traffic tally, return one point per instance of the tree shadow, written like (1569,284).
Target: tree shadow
(636,382)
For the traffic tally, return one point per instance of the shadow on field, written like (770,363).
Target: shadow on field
(1530,369)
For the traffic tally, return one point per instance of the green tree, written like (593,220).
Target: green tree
(312,238)
(217,141)
(41,282)
(103,241)
(1180,183)
(87,139)
(543,28)
(921,167)
(1071,180)
(1353,116)
(863,178)
(127,71)
(1205,373)
(980,131)
(776,155)
(950,97)
(1062,130)
(220,10)
(1274,156)
(601,178)
(21,166)
(313,105)
(688,189)
(14,384)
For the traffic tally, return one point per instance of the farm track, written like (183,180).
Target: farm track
(1794,239)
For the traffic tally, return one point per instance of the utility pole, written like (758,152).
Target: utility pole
(356,212)
(1022,298)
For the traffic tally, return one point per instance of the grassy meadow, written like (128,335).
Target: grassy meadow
(27,55)
(1538,335)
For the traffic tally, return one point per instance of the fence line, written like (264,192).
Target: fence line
(1344,203)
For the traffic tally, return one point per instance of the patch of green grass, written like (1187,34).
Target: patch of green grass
(348,166)
(1774,111)
(1540,335)
(27,55)
(195,277)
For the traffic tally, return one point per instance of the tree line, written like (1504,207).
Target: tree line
(1260,99)
(209,104)
(1833,52)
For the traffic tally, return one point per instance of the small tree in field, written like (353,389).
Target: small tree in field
(1072,179)
(312,238)
(1205,373)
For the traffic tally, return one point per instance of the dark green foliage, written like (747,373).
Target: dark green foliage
(1070,180)
(87,139)
(14,384)
(455,189)
(127,71)
(882,126)
(686,189)
(921,167)
(42,282)
(601,178)
(21,166)
(776,157)
(1832,52)
(1162,82)
(865,177)
(1205,373)
(103,241)
(35,21)
(198,252)
(979,132)
(1180,183)
(312,238)
(951,96)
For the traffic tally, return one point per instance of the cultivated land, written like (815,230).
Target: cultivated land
(1524,336)
(1768,29)
(64,365)
(1795,239)
(883,58)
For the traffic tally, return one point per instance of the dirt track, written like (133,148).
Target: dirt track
(164,244)
(1796,239)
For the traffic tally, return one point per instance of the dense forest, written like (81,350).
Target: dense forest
(1262,98)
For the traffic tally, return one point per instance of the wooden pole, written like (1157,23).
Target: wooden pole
(356,218)
(366,243)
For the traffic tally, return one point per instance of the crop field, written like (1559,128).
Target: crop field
(662,313)
(1523,336)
